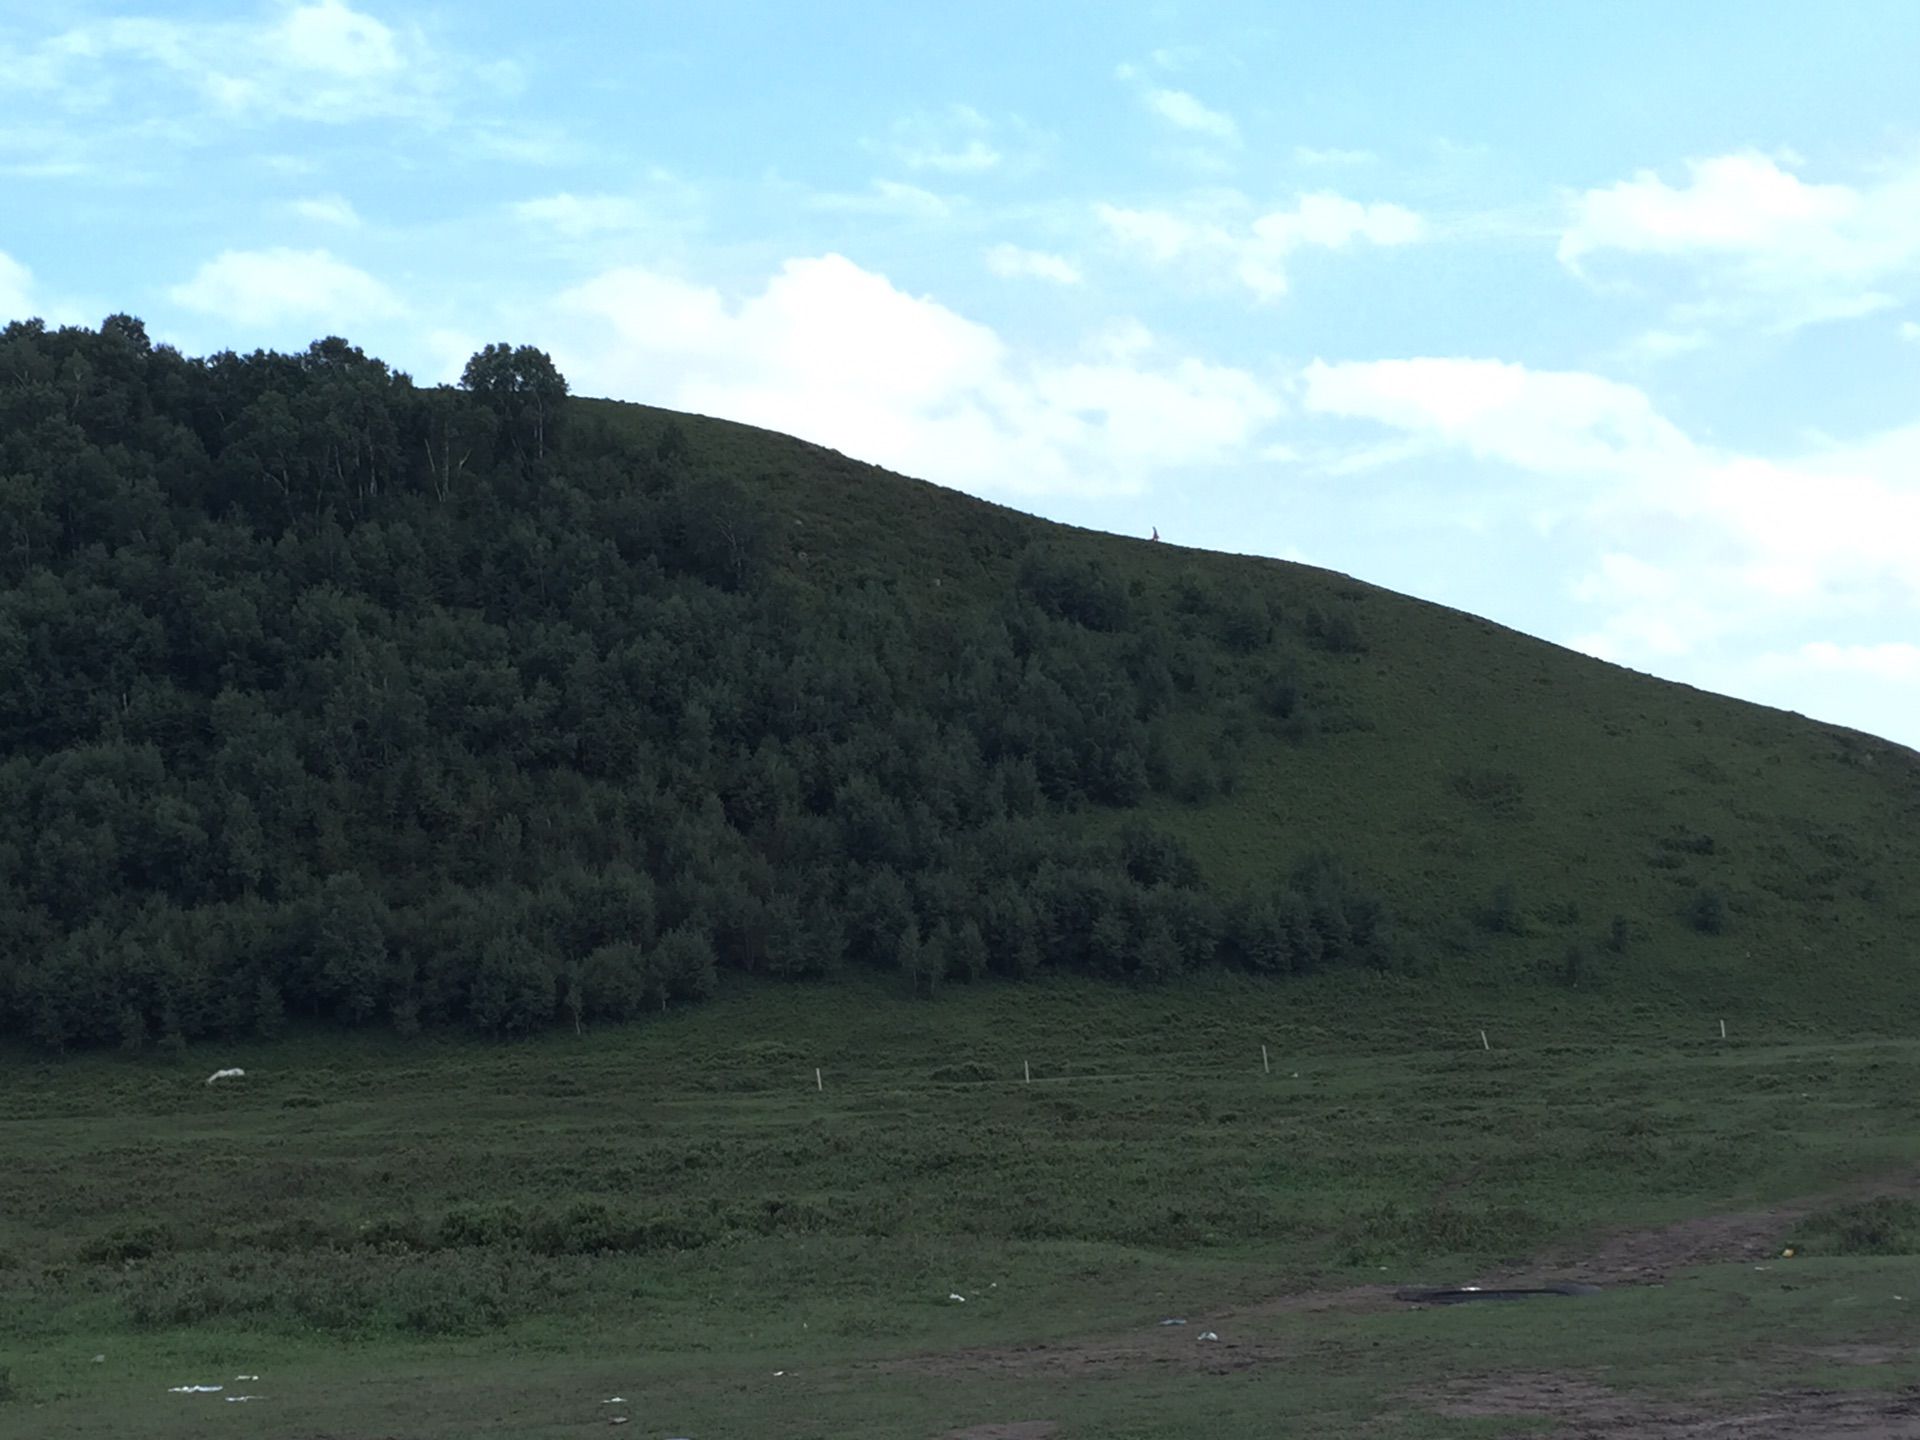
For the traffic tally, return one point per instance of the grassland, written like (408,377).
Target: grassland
(444,1238)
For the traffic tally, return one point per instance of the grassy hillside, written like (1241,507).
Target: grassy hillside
(1513,799)
(328,698)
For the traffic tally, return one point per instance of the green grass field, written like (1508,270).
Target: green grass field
(446,1238)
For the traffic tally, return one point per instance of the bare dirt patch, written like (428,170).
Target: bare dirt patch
(1174,1351)
(1011,1430)
(1629,1257)
(1582,1408)
(1649,1256)
(1860,1354)
(1641,1257)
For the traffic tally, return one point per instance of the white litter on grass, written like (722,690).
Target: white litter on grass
(616,1400)
(956,1297)
(246,1377)
(240,1399)
(99,1359)
(234,1074)
(1172,1321)
(1208,1335)
(195,1389)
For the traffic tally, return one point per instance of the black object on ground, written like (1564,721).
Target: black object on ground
(1461,1297)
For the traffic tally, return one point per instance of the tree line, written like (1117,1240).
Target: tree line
(326,695)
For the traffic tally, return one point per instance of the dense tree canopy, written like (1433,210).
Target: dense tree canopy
(327,695)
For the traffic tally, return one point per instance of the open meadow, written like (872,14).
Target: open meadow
(452,1238)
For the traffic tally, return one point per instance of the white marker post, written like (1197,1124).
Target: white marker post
(1723,1029)
(818,1084)
(1483,1041)
(1265,1068)
(1027,1066)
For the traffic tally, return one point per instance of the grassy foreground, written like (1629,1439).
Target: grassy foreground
(451,1239)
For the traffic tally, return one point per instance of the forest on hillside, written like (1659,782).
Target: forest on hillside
(328,695)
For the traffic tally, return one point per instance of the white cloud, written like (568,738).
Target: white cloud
(1334,221)
(887,197)
(576,216)
(958,140)
(838,355)
(1897,661)
(327,210)
(1310,155)
(1184,112)
(526,143)
(1554,421)
(329,38)
(16,290)
(1910,330)
(1658,344)
(1763,245)
(1699,543)
(1011,262)
(264,287)
(319,61)
(1220,234)
(23,297)
(1736,203)
(1160,235)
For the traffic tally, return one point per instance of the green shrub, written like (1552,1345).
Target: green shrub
(1707,911)
(127,1243)
(1575,966)
(967,1072)
(1884,1225)
(395,1232)
(1336,631)
(481,1225)
(1497,792)
(1502,914)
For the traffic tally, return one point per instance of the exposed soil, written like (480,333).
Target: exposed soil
(1179,1350)
(1648,1257)
(1638,1257)
(1576,1407)
(1580,1408)
(1860,1354)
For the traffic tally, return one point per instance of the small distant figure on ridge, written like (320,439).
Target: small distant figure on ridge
(1156,532)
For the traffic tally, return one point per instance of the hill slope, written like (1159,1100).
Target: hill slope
(1455,759)
(325,695)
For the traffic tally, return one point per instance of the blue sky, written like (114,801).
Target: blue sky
(1602,320)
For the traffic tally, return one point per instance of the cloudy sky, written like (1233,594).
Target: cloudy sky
(1600,319)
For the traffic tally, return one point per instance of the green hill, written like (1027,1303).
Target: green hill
(328,697)
(1509,796)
